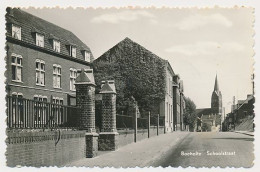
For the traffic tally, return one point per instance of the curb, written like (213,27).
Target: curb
(244,133)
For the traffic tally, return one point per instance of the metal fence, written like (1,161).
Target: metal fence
(161,121)
(24,113)
(124,121)
(142,123)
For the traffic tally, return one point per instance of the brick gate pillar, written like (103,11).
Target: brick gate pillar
(85,100)
(108,138)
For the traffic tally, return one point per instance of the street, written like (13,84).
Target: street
(210,149)
(180,149)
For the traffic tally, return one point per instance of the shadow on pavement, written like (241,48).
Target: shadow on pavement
(233,138)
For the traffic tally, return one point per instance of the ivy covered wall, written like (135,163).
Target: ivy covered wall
(137,72)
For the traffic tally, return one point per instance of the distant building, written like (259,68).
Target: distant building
(243,108)
(210,118)
(42,59)
(166,106)
(216,98)
(178,103)
(241,116)
(139,73)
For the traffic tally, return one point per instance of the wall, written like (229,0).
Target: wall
(37,148)
(127,136)
(142,134)
(153,131)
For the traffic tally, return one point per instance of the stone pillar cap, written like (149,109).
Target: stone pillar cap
(85,77)
(108,87)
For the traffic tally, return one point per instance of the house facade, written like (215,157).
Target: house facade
(42,59)
(166,106)
(178,102)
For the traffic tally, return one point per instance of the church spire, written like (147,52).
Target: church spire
(216,88)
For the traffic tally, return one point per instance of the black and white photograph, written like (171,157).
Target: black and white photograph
(129,87)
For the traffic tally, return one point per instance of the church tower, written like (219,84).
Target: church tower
(216,98)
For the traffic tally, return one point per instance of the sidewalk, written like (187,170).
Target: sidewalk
(250,133)
(141,154)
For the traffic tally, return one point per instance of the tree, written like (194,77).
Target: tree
(190,116)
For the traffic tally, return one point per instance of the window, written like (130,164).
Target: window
(73,76)
(72,51)
(40,98)
(40,72)
(171,114)
(56,45)
(16,32)
(57,100)
(56,76)
(39,40)
(167,115)
(86,56)
(169,86)
(16,64)
(57,110)
(40,110)
(17,109)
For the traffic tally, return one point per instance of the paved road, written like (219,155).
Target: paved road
(192,151)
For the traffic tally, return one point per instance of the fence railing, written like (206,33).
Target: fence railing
(142,123)
(124,121)
(24,113)
(161,121)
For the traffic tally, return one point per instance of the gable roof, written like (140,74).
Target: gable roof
(125,44)
(30,24)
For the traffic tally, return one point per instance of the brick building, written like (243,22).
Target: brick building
(42,59)
(139,73)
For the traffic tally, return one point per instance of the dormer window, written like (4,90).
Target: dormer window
(72,51)
(86,56)
(39,40)
(16,32)
(56,45)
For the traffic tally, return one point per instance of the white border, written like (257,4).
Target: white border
(124,3)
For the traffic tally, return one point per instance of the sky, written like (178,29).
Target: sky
(198,43)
